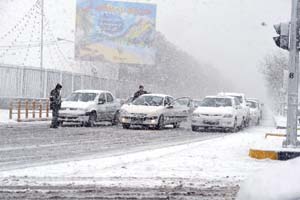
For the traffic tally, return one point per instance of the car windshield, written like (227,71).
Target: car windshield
(84,97)
(149,101)
(252,104)
(216,102)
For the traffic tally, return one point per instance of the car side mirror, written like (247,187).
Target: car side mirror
(101,101)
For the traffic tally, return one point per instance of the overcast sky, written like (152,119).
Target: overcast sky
(227,34)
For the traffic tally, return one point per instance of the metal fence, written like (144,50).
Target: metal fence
(36,83)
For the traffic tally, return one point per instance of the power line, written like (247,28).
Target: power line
(60,53)
(21,29)
(26,15)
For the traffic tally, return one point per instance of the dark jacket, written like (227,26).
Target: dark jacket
(138,93)
(55,100)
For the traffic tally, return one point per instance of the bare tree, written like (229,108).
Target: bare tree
(272,67)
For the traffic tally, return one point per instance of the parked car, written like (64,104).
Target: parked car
(254,111)
(218,112)
(154,110)
(90,106)
(246,110)
(260,106)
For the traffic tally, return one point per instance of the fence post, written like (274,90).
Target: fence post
(11,110)
(19,110)
(33,109)
(26,109)
(47,108)
(41,109)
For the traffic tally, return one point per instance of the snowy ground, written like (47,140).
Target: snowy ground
(280,121)
(4,118)
(223,159)
(110,157)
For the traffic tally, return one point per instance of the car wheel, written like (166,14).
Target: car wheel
(248,122)
(160,125)
(60,123)
(195,128)
(126,126)
(258,122)
(176,125)
(234,128)
(92,120)
(244,123)
(116,120)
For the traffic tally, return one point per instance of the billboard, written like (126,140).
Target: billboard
(119,32)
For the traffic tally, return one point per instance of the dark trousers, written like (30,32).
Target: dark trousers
(54,122)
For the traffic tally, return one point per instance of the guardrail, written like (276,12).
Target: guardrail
(29,109)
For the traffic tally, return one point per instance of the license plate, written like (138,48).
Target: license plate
(211,122)
(136,121)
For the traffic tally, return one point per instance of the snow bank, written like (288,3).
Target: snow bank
(280,121)
(4,118)
(282,181)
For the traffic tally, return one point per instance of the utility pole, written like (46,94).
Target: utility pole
(291,138)
(42,49)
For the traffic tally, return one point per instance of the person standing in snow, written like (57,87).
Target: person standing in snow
(140,92)
(55,104)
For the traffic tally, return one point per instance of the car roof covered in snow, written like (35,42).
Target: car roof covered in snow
(220,96)
(252,99)
(91,91)
(231,94)
(158,95)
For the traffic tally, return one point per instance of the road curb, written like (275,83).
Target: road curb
(273,155)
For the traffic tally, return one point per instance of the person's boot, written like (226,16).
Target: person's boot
(52,126)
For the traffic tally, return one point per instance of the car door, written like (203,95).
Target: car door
(101,107)
(182,108)
(169,109)
(111,106)
(239,110)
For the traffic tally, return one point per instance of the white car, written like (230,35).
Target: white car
(89,106)
(254,111)
(154,110)
(260,106)
(245,109)
(218,112)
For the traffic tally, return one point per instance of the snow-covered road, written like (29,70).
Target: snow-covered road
(108,162)
(33,145)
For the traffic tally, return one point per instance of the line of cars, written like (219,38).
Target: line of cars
(229,111)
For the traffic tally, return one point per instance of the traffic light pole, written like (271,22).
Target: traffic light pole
(291,138)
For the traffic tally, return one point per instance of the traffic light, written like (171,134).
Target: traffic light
(283,39)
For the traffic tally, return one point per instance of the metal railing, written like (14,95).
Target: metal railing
(29,109)
(19,81)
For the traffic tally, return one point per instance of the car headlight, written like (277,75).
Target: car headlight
(228,116)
